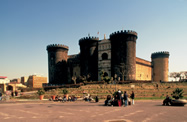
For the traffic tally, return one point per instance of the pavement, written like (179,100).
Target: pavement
(80,111)
(14,100)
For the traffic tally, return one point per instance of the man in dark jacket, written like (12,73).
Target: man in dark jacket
(132,97)
(125,98)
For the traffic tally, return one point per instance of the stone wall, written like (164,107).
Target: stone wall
(143,69)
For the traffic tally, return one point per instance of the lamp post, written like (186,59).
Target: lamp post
(115,76)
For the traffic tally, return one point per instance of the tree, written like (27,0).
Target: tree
(104,76)
(177,93)
(175,75)
(101,73)
(74,78)
(65,91)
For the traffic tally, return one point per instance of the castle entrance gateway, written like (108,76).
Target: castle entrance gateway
(104,58)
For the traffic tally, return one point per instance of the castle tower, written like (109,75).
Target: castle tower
(57,63)
(123,50)
(89,57)
(160,64)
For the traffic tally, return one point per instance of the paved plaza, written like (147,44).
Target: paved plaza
(81,111)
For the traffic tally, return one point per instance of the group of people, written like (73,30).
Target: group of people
(120,99)
(88,98)
(167,101)
(14,93)
(65,98)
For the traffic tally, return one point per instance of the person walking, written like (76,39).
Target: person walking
(132,97)
(0,96)
(125,98)
(96,99)
(119,97)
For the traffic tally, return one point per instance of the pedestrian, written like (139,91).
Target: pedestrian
(16,93)
(64,98)
(96,99)
(0,96)
(12,94)
(132,97)
(119,97)
(125,98)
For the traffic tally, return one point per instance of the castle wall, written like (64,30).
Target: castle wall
(73,67)
(143,69)
(76,71)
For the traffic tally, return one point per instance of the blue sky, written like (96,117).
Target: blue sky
(28,26)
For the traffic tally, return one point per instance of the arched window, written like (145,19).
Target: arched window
(104,56)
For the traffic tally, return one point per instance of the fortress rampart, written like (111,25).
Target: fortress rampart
(127,32)
(88,40)
(54,46)
(162,54)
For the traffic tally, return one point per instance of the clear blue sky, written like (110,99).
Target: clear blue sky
(28,26)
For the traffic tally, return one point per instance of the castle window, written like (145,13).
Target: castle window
(104,56)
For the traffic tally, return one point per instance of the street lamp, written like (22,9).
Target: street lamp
(115,76)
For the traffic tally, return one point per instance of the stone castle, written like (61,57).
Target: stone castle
(116,57)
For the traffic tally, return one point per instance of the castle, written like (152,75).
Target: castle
(115,56)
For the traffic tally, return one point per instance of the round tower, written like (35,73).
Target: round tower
(160,64)
(57,63)
(89,57)
(123,47)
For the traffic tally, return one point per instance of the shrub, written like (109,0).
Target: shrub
(41,92)
(65,91)
(177,93)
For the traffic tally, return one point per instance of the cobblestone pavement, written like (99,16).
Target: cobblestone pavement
(80,111)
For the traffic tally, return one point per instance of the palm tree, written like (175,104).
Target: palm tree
(177,93)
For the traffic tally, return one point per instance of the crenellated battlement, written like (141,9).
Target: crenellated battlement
(57,46)
(124,32)
(160,54)
(85,39)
